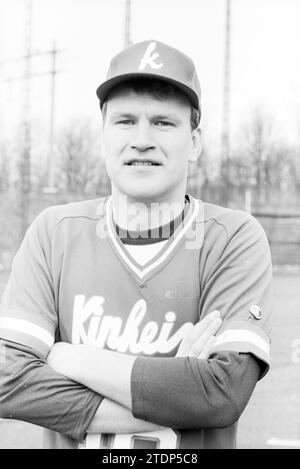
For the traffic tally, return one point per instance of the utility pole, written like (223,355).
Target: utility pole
(1,81)
(226,91)
(225,146)
(24,163)
(50,162)
(127,39)
(25,157)
(50,188)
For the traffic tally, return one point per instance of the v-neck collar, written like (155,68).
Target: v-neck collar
(144,272)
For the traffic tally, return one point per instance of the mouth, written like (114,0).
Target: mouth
(137,162)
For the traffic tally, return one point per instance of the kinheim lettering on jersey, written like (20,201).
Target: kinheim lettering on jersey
(92,326)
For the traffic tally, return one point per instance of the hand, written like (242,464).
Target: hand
(59,357)
(200,338)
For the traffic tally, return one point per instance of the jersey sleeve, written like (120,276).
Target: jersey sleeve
(187,393)
(27,310)
(33,392)
(237,281)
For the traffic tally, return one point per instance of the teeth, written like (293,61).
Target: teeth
(142,163)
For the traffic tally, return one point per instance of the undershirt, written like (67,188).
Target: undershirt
(144,245)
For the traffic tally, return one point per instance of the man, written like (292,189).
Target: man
(134,287)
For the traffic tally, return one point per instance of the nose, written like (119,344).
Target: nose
(142,140)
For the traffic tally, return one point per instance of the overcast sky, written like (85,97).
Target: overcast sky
(265,67)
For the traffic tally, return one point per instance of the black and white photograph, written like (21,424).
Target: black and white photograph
(150,227)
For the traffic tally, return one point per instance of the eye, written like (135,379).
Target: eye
(125,122)
(164,124)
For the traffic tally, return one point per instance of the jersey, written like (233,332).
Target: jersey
(73,280)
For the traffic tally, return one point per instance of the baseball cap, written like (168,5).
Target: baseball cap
(153,59)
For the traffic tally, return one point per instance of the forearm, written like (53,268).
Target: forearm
(109,373)
(189,393)
(105,372)
(33,392)
(114,418)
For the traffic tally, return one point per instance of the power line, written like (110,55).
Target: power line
(28,55)
(52,72)
(24,163)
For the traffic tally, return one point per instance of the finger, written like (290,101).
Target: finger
(207,348)
(210,317)
(201,341)
(195,332)
(203,329)
(203,324)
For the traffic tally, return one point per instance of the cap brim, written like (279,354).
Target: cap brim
(106,87)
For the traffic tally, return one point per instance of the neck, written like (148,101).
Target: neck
(138,215)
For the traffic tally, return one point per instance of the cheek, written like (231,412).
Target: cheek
(113,145)
(108,140)
(179,149)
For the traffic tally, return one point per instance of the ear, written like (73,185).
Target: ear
(196,145)
(102,117)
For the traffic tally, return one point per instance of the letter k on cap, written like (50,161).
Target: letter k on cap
(149,59)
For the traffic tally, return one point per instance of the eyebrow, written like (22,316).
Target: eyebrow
(121,115)
(166,116)
(127,115)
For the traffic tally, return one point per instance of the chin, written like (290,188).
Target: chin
(142,193)
(144,196)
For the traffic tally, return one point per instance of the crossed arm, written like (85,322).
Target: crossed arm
(109,374)
(218,391)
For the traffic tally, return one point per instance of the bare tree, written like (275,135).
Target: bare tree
(262,161)
(258,149)
(5,169)
(80,166)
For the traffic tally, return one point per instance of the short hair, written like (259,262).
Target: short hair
(158,89)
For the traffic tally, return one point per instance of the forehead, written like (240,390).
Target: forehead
(127,100)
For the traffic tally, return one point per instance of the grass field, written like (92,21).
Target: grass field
(274,409)
(271,419)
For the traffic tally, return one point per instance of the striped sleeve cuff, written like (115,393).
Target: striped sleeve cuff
(245,337)
(27,332)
